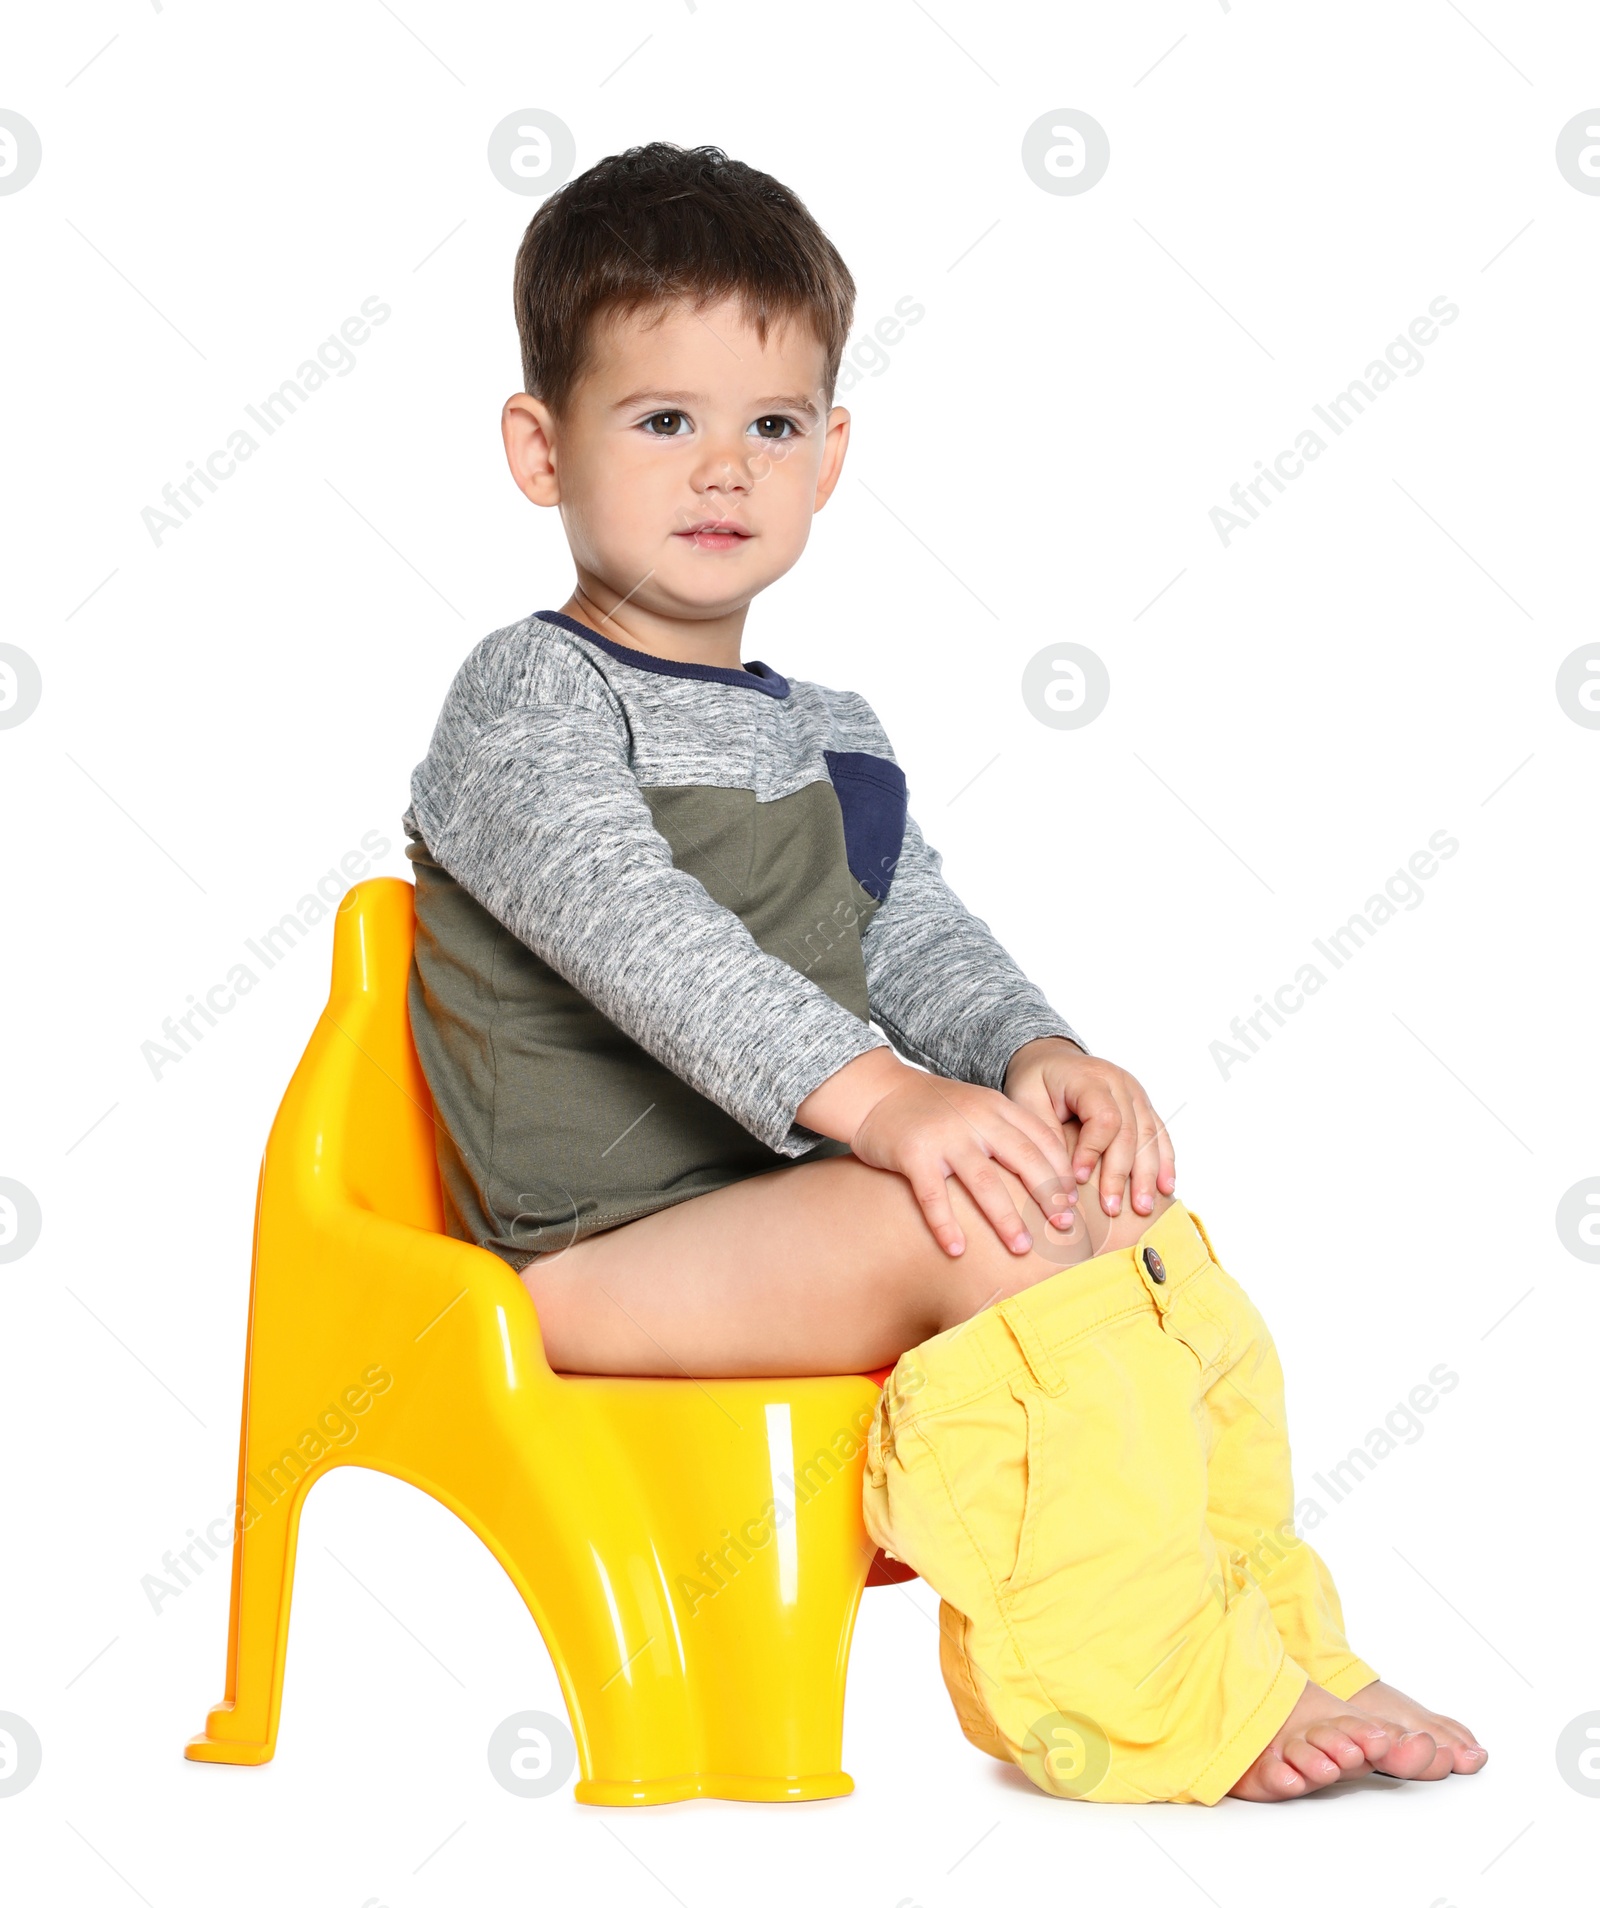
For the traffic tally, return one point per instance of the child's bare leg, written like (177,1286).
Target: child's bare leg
(820,1268)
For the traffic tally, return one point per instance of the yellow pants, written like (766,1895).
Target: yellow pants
(1094,1476)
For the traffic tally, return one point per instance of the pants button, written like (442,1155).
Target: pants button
(1153,1265)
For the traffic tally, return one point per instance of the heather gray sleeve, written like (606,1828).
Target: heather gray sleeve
(543,823)
(941,986)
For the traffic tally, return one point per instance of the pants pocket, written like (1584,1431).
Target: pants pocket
(989,1458)
(1008,1467)
(1034,1485)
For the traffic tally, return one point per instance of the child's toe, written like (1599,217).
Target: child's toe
(1336,1742)
(1375,1740)
(1318,1768)
(1280,1778)
(1411,1757)
(1467,1754)
(1269,1779)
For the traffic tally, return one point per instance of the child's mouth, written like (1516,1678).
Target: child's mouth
(716,533)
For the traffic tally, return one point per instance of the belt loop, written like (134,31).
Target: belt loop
(1200,1227)
(1034,1355)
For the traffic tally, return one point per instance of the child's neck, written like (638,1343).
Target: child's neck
(715,639)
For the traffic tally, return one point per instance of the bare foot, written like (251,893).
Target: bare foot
(1460,1752)
(1323,1741)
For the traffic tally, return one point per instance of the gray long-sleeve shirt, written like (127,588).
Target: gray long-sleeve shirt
(658,904)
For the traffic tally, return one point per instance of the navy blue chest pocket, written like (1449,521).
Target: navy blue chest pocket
(872,799)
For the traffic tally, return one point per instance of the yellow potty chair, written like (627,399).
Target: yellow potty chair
(691,1550)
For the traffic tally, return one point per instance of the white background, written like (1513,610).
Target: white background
(1292,715)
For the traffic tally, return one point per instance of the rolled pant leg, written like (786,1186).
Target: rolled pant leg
(1250,1501)
(1056,1498)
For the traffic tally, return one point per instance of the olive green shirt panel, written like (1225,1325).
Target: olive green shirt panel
(781,867)
(563,1126)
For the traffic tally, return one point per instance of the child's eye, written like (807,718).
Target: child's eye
(787,426)
(670,419)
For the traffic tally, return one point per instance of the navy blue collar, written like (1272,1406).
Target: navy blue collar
(754,675)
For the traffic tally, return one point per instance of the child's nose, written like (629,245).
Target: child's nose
(725,471)
(729,458)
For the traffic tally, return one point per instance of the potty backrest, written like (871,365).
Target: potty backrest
(356,1126)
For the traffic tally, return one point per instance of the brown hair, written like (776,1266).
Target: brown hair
(660,222)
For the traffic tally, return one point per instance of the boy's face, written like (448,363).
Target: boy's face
(690,458)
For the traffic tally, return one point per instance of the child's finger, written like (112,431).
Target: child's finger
(989,1116)
(1043,1174)
(976,1172)
(932,1194)
(1146,1159)
(1099,1119)
(1045,1135)
(1155,1168)
(1057,1195)
(1118,1161)
(1167,1176)
(1063,1135)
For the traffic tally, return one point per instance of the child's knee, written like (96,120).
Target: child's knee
(1115,1232)
(949,1290)
(988,1269)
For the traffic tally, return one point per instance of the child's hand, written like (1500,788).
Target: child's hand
(928,1129)
(1057,1081)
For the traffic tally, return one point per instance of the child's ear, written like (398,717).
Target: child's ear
(833,449)
(528,427)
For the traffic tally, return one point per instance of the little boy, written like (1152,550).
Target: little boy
(666,899)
